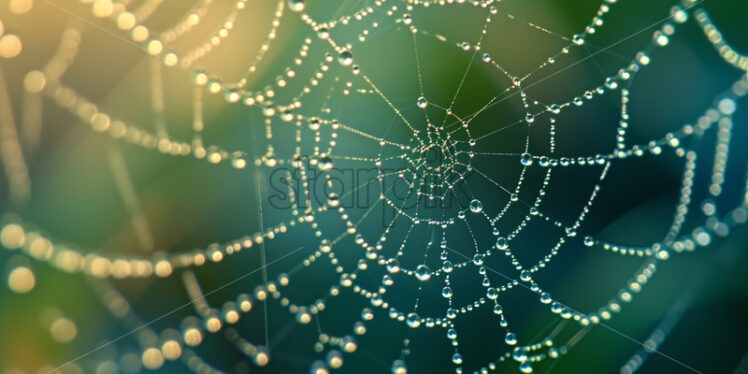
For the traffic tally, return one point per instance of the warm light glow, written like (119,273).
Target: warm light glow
(21,280)
(12,236)
(63,330)
(126,21)
(171,350)
(193,337)
(34,81)
(103,8)
(140,33)
(152,358)
(10,46)
(21,6)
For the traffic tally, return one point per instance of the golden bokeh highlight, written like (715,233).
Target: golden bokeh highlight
(10,46)
(140,33)
(34,81)
(100,122)
(20,6)
(152,358)
(63,330)
(232,316)
(261,359)
(171,350)
(100,267)
(103,8)
(193,337)
(41,248)
(213,324)
(21,280)
(163,268)
(125,21)
(155,47)
(12,236)
(171,59)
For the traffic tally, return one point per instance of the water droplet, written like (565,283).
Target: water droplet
(502,243)
(335,359)
(333,200)
(476,206)
(478,259)
(457,358)
(556,308)
(510,339)
(422,103)
(526,159)
(287,115)
(407,19)
(451,313)
(303,316)
(413,320)
(345,58)
(553,353)
(660,39)
(314,124)
(238,160)
(393,266)
(525,276)
(519,355)
(642,58)
(387,280)
(296,5)
(525,367)
(318,367)
(611,83)
(423,273)
(451,334)
(447,292)
(545,298)
(261,357)
(367,314)
(588,241)
(398,367)
(325,163)
(447,266)
(678,14)
(323,33)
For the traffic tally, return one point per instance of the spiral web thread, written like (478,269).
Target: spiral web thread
(443,131)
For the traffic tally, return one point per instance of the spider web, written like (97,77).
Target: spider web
(406,200)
